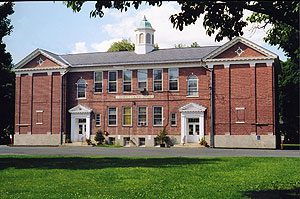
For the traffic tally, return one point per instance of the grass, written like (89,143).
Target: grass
(103,177)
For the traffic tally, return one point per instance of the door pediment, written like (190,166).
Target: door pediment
(192,107)
(79,109)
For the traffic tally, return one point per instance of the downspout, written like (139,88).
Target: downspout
(61,106)
(212,110)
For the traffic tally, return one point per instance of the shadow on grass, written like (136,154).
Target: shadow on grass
(97,163)
(275,194)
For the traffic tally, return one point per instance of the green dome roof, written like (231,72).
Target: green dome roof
(145,24)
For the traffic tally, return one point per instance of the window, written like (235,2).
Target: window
(39,116)
(173,79)
(81,88)
(148,38)
(157,79)
(142,141)
(126,141)
(98,119)
(127,116)
(141,38)
(111,140)
(142,79)
(127,76)
(192,89)
(112,116)
(240,115)
(152,39)
(98,76)
(157,116)
(112,81)
(142,116)
(173,119)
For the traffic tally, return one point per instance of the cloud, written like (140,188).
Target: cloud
(104,45)
(80,47)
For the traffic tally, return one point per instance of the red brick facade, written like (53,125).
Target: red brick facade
(244,98)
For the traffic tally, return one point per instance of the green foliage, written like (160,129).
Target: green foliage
(99,138)
(289,101)
(156,47)
(7,78)
(116,177)
(180,45)
(203,142)
(123,45)
(162,137)
(195,45)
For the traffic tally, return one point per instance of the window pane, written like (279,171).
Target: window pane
(98,76)
(148,38)
(173,78)
(127,75)
(142,85)
(127,87)
(81,87)
(157,74)
(127,116)
(98,87)
(142,75)
(112,87)
(173,85)
(112,76)
(142,116)
(112,116)
(173,119)
(157,116)
(98,120)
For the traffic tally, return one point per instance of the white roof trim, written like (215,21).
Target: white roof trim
(80,109)
(35,53)
(236,40)
(192,107)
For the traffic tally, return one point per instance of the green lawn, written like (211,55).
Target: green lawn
(46,177)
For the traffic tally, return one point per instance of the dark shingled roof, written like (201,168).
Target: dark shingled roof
(126,57)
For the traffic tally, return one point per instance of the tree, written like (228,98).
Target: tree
(225,18)
(123,45)
(6,77)
(289,101)
(195,45)
(180,45)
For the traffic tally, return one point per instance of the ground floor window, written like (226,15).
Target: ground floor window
(98,119)
(112,116)
(142,116)
(127,116)
(173,119)
(142,141)
(126,141)
(112,140)
(157,116)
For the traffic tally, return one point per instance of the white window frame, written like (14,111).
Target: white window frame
(116,116)
(127,81)
(172,79)
(188,92)
(142,81)
(123,120)
(139,115)
(98,120)
(162,80)
(112,81)
(39,112)
(162,116)
(98,82)
(175,119)
(84,88)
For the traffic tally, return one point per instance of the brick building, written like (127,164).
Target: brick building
(224,94)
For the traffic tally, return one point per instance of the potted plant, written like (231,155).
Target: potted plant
(162,137)
(203,142)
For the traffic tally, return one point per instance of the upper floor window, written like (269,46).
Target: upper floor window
(157,116)
(148,38)
(157,79)
(112,116)
(192,89)
(173,79)
(152,39)
(141,38)
(142,116)
(98,119)
(98,76)
(142,79)
(112,81)
(127,76)
(81,88)
(127,116)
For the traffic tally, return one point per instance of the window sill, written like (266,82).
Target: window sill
(240,122)
(112,125)
(158,91)
(142,125)
(158,125)
(81,98)
(127,125)
(39,123)
(113,92)
(98,93)
(192,96)
(97,125)
(174,91)
(173,125)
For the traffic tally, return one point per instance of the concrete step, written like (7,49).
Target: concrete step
(76,144)
(189,145)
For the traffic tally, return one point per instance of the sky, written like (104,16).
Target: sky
(54,27)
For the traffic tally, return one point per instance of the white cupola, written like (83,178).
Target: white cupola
(144,37)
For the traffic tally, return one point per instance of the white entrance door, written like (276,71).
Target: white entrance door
(81,130)
(193,134)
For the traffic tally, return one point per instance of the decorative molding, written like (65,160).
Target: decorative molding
(240,108)
(239,51)
(228,62)
(134,96)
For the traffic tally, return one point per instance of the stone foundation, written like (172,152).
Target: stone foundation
(37,139)
(246,141)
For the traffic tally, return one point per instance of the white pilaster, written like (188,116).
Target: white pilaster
(73,127)
(201,125)
(88,128)
(183,129)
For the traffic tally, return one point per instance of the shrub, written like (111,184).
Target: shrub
(162,136)
(88,141)
(203,142)
(99,138)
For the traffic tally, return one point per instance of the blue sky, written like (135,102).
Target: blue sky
(54,27)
